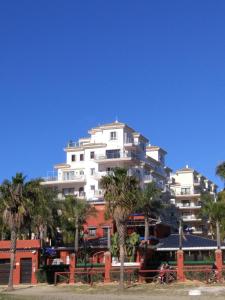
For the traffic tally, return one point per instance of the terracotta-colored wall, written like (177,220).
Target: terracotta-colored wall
(21,244)
(98,220)
(25,249)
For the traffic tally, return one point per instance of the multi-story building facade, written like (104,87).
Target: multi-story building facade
(108,146)
(186,186)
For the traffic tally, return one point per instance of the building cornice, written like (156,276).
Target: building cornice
(155,148)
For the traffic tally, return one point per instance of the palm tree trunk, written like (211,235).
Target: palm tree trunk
(218,235)
(146,239)
(146,228)
(121,228)
(76,238)
(12,258)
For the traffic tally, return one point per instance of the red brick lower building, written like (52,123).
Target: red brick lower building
(26,262)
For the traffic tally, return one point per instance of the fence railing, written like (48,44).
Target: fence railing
(201,273)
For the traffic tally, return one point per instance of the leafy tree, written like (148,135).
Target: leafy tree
(220,171)
(132,242)
(42,209)
(115,249)
(214,211)
(121,195)
(14,211)
(74,214)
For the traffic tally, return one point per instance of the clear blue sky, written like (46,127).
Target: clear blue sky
(66,66)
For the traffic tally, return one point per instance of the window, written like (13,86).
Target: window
(105,232)
(73,157)
(113,153)
(92,171)
(81,157)
(68,191)
(92,187)
(92,155)
(70,175)
(113,135)
(185,191)
(186,203)
(81,172)
(81,192)
(92,231)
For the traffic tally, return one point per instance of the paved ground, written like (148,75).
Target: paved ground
(110,292)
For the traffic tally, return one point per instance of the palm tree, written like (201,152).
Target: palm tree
(120,195)
(220,171)
(74,212)
(149,204)
(15,210)
(214,211)
(41,209)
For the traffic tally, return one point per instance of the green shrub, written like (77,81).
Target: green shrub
(41,276)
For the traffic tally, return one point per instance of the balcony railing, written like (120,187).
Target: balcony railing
(77,194)
(51,178)
(186,193)
(69,178)
(116,155)
(189,204)
(73,177)
(190,218)
(72,144)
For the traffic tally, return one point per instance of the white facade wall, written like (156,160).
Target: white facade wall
(84,176)
(187,185)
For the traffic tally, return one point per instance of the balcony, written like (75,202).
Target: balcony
(190,193)
(191,218)
(77,194)
(72,144)
(116,156)
(70,179)
(188,205)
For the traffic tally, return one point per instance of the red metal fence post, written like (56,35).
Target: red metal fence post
(107,266)
(72,268)
(180,265)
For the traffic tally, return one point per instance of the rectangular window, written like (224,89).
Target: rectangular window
(185,191)
(92,231)
(113,135)
(81,157)
(70,175)
(105,232)
(92,155)
(186,203)
(73,157)
(92,187)
(92,171)
(113,153)
(68,191)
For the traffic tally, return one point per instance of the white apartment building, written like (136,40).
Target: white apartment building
(107,146)
(186,187)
